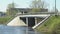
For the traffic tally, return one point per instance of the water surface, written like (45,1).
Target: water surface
(16,30)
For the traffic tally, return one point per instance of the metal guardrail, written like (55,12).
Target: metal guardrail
(40,13)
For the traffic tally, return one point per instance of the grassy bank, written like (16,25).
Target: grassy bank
(4,20)
(52,25)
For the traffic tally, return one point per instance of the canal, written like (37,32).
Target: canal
(17,30)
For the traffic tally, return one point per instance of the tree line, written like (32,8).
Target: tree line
(36,5)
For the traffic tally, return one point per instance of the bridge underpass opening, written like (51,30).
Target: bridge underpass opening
(31,20)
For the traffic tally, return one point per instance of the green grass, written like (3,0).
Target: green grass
(4,20)
(51,25)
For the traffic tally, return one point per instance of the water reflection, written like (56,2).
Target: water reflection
(16,30)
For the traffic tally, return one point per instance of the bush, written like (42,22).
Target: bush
(4,20)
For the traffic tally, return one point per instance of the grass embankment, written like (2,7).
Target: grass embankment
(52,25)
(4,20)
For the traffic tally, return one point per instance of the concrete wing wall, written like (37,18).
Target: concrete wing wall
(16,22)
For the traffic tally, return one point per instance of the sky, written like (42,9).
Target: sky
(26,4)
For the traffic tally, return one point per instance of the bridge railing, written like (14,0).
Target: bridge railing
(33,13)
(39,13)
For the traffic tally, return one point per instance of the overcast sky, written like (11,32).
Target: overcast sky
(26,3)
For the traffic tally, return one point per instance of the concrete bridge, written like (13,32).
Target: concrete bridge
(28,20)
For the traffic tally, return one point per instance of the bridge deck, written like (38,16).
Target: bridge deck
(42,15)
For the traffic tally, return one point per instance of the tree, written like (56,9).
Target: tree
(38,4)
(11,5)
(9,9)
